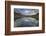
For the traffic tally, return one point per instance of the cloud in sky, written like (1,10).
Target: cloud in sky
(24,11)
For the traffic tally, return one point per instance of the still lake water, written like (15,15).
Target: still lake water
(26,22)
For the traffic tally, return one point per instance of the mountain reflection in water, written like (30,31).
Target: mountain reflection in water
(26,22)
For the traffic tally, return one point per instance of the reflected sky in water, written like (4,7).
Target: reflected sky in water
(24,11)
(26,22)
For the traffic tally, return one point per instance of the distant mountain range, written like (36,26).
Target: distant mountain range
(18,15)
